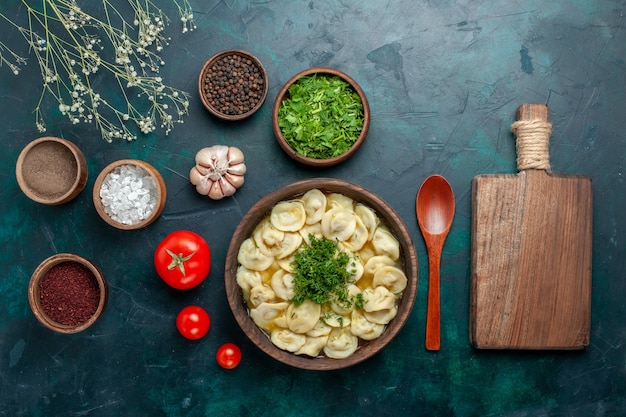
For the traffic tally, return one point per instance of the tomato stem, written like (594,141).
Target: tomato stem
(178,261)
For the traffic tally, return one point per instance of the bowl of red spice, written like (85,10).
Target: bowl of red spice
(129,194)
(51,170)
(232,84)
(67,293)
(321,117)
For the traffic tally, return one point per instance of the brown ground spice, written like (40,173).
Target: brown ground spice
(69,293)
(50,169)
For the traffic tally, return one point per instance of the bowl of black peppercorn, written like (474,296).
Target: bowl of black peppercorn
(232,84)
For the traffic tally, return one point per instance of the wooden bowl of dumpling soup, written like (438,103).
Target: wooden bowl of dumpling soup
(286,324)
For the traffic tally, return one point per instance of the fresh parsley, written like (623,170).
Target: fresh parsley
(322,116)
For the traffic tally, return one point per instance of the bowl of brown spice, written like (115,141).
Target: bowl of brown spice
(232,84)
(67,293)
(51,170)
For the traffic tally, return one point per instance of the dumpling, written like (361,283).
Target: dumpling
(286,263)
(313,346)
(274,242)
(311,229)
(267,237)
(345,308)
(336,320)
(374,263)
(246,279)
(320,329)
(341,344)
(314,205)
(261,294)
(288,216)
(368,217)
(338,200)
(282,284)
(355,268)
(287,340)
(265,314)
(289,245)
(379,298)
(391,277)
(358,239)
(385,243)
(363,328)
(303,318)
(252,258)
(338,224)
(381,316)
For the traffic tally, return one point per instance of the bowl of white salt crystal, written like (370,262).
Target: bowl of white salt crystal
(129,194)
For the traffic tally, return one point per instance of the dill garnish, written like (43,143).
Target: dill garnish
(321,274)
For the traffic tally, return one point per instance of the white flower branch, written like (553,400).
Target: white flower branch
(69,46)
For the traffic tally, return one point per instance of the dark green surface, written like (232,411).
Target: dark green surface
(444,79)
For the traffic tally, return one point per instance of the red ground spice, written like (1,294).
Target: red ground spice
(69,293)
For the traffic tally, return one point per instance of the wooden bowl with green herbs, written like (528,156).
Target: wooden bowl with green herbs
(321,117)
(308,294)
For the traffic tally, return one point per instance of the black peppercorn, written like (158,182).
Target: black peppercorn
(233,85)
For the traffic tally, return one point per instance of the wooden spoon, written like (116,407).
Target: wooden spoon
(434,207)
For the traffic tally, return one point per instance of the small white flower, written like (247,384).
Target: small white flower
(79,57)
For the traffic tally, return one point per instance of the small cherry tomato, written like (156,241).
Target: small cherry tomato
(228,356)
(193,322)
(183,259)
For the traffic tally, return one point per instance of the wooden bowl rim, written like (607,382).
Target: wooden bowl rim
(262,208)
(209,62)
(160,186)
(320,163)
(35,302)
(79,181)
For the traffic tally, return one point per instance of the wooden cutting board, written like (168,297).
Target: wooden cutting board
(531,249)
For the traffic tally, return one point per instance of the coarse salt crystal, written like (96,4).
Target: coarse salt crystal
(129,194)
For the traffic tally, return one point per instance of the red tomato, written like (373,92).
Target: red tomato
(228,356)
(193,322)
(183,259)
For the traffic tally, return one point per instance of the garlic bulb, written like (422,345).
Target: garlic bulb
(218,172)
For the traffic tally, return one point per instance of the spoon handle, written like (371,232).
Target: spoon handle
(433,315)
